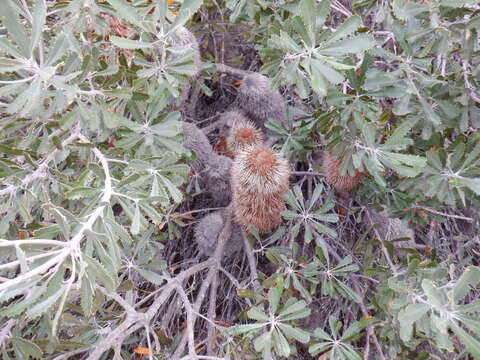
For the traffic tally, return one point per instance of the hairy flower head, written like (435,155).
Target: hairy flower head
(260,170)
(331,169)
(243,133)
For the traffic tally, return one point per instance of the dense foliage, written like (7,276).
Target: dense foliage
(98,194)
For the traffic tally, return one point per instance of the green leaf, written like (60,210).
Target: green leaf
(264,341)
(186,11)
(241,329)
(81,192)
(27,348)
(329,73)
(136,222)
(458,3)
(472,344)
(86,296)
(125,43)
(472,184)
(408,316)
(284,42)
(469,278)
(274,299)
(10,19)
(347,28)
(9,48)
(295,333)
(127,12)
(19,307)
(151,276)
(317,348)
(10,65)
(321,334)
(44,305)
(296,307)
(280,343)
(410,160)
(308,15)
(98,272)
(435,296)
(348,46)
(256,314)
(39,14)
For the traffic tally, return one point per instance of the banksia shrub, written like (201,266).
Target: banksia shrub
(243,133)
(259,181)
(331,169)
(208,230)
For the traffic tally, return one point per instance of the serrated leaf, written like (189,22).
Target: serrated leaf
(130,44)
(27,348)
(186,11)
(19,307)
(352,45)
(44,305)
(241,329)
(408,316)
(127,12)
(472,344)
(295,333)
(263,341)
(280,343)
(256,314)
(329,73)
(151,276)
(86,296)
(469,278)
(39,14)
(98,272)
(274,299)
(135,227)
(347,28)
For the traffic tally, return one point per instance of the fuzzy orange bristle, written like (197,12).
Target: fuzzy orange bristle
(259,181)
(243,134)
(331,169)
(261,161)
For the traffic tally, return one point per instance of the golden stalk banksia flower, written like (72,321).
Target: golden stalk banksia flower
(243,133)
(331,169)
(259,181)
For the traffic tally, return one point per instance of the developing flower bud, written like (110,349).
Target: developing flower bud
(243,133)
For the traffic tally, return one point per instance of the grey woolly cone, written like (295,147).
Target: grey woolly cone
(214,168)
(195,140)
(218,179)
(184,37)
(259,102)
(389,229)
(208,230)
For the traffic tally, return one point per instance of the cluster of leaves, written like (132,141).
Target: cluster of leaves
(91,159)
(92,167)
(407,82)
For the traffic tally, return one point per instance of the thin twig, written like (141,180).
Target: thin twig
(308,173)
(251,260)
(4,333)
(190,321)
(433,211)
